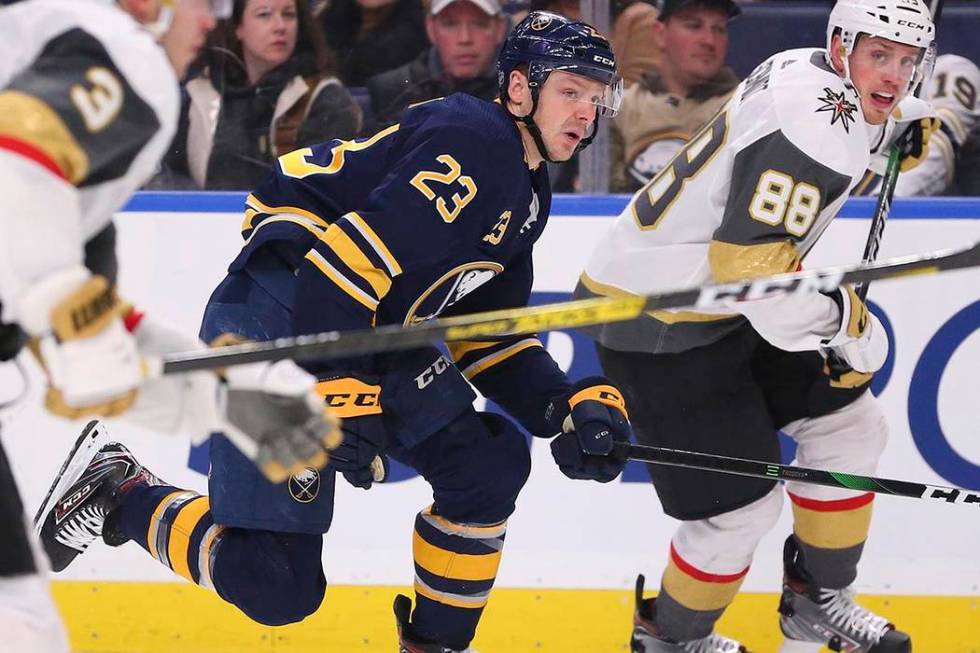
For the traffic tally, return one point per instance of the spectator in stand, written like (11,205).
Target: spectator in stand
(635,51)
(673,100)
(266,87)
(465,36)
(372,36)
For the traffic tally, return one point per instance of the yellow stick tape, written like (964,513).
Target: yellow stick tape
(181,618)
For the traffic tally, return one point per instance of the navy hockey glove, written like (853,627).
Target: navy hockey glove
(591,418)
(356,399)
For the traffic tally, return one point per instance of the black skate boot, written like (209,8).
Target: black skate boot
(84,493)
(411,642)
(812,617)
(647,639)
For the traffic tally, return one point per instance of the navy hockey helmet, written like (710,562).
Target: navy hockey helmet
(546,42)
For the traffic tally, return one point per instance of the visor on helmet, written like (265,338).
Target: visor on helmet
(607,102)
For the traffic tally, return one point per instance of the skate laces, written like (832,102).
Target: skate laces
(840,607)
(713,643)
(82,529)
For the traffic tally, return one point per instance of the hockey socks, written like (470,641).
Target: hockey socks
(175,526)
(691,600)
(455,568)
(831,536)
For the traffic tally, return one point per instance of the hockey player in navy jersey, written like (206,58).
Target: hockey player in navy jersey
(435,215)
(750,195)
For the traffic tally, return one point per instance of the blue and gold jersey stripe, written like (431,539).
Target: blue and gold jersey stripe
(371,238)
(342,281)
(473,357)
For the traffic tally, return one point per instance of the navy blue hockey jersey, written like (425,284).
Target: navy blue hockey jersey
(435,215)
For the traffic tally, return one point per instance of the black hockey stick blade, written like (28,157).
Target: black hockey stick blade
(777,472)
(562,315)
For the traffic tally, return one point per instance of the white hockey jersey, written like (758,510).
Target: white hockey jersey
(952,91)
(88,106)
(749,195)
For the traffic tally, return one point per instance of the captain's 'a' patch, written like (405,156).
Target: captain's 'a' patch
(841,109)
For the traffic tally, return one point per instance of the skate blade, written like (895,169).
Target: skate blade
(94,436)
(796,646)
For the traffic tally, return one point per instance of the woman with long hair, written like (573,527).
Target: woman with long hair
(266,86)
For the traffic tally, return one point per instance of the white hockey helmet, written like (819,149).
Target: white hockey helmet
(903,21)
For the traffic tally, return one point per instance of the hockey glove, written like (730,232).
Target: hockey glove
(78,335)
(860,340)
(275,416)
(357,400)
(590,418)
(913,145)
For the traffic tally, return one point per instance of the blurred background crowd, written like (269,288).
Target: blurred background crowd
(285,74)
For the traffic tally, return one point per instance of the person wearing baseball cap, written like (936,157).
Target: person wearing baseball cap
(673,99)
(465,36)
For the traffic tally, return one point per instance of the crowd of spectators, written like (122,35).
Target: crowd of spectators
(285,74)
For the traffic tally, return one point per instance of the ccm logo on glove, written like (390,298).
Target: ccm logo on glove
(350,397)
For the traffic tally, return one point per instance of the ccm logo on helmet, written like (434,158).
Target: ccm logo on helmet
(908,23)
(605,61)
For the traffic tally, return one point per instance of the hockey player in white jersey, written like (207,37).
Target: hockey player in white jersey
(88,104)
(953,94)
(750,195)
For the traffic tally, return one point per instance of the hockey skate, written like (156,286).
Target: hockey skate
(84,493)
(408,640)
(646,638)
(813,617)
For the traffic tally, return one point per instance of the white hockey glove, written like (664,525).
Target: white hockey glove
(270,411)
(861,339)
(276,418)
(77,333)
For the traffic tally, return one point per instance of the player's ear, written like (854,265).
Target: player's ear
(518,91)
(837,53)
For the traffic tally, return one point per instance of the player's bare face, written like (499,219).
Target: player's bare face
(268,34)
(466,39)
(184,39)
(881,71)
(567,112)
(694,42)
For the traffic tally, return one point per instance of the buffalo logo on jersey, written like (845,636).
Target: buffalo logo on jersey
(841,109)
(450,288)
(305,486)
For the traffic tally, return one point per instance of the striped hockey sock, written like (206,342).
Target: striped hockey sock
(175,526)
(691,600)
(455,568)
(831,535)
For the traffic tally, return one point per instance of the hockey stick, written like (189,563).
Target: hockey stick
(887,191)
(562,315)
(774,471)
